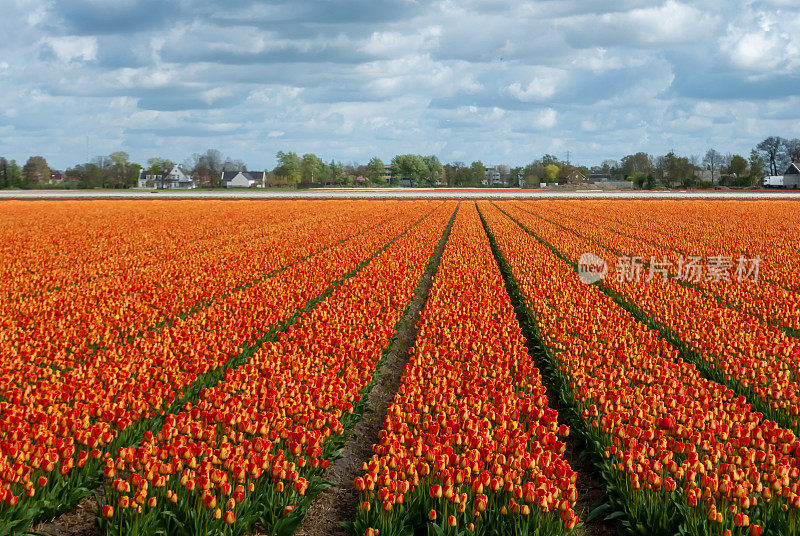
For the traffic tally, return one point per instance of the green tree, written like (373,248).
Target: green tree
(311,167)
(738,167)
(123,173)
(549,159)
(632,163)
(375,170)
(409,167)
(15,179)
(551,172)
(641,179)
(477,172)
(756,168)
(3,172)
(456,174)
(534,174)
(435,168)
(35,171)
(288,167)
(160,165)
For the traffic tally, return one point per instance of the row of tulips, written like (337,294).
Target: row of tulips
(252,448)
(469,444)
(183,273)
(760,361)
(679,453)
(754,227)
(55,432)
(719,280)
(765,228)
(57,246)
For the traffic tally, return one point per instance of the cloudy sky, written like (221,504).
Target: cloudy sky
(494,80)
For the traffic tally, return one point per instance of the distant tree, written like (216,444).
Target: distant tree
(551,172)
(549,159)
(206,168)
(641,180)
(408,166)
(311,167)
(375,170)
(160,165)
(15,178)
(435,169)
(772,150)
(121,173)
(534,173)
(3,172)
(633,163)
(737,166)
(231,164)
(35,171)
(456,174)
(712,160)
(756,168)
(608,166)
(516,177)
(288,166)
(793,149)
(477,172)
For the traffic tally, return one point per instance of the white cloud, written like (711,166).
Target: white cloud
(763,41)
(70,48)
(546,119)
(544,85)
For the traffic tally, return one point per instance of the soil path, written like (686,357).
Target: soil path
(338,503)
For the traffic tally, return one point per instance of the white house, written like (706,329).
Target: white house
(177,179)
(243,179)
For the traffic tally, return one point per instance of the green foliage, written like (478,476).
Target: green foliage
(641,180)
(756,168)
(477,172)
(15,179)
(375,170)
(4,166)
(311,167)
(35,172)
(289,166)
(551,172)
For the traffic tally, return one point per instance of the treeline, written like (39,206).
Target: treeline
(35,172)
(770,157)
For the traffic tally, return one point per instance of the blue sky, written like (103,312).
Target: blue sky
(503,82)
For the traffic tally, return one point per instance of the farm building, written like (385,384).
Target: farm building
(789,179)
(177,179)
(242,179)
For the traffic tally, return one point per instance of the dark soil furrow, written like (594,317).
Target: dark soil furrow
(337,504)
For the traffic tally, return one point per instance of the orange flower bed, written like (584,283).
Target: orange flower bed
(678,450)
(253,447)
(734,235)
(737,349)
(59,415)
(469,443)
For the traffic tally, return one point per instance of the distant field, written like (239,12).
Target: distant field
(210,365)
(399,193)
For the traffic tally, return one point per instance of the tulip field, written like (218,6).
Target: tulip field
(199,366)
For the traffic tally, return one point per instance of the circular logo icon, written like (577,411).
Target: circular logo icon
(591,268)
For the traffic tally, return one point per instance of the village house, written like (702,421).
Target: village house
(242,179)
(177,179)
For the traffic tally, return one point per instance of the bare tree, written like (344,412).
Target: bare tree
(712,160)
(793,149)
(772,150)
